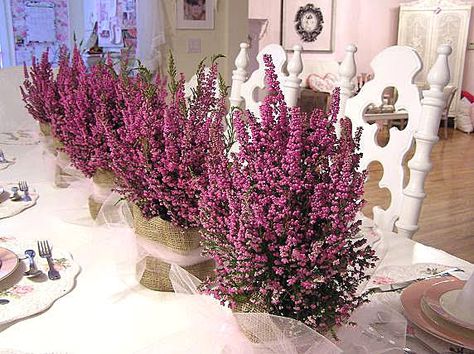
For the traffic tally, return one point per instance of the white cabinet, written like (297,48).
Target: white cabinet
(426,24)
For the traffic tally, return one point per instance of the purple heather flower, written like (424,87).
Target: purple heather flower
(278,218)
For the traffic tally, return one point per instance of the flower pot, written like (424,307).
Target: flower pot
(256,329)
(178,240)
(156,273)
(103,182)
(56,146)
(156,229)
(45,128)
(61,177)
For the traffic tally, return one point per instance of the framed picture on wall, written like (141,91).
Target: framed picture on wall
(308,23)
(195,14)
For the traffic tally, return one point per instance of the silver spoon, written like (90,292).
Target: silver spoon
(4,301)
(33,271)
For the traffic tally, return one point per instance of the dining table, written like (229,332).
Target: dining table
(106,309)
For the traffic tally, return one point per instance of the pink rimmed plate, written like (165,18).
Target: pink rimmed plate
(412,301)
(8,262)
(441,299)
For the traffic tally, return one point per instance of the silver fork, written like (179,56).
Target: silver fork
(44,251)
(24,188)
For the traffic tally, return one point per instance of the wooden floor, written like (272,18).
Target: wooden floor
(447,217)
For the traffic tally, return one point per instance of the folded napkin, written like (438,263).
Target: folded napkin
(10,208)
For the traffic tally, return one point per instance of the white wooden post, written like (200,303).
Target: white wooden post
(426,136)
(239,75)
(292,84)
(347,71)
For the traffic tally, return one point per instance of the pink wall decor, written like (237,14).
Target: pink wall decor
(24,50)
(371,25)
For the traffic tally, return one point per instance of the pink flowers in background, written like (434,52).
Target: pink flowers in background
(279,217)
(39,89)
(142,112)
(87,98)
(159,154)
(279,214)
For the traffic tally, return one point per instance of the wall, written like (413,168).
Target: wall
(230,28)
(468,82)
(24,49)
(370,24)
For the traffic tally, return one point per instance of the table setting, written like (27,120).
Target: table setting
(32,277)
(16,197)
(5,162)
(305,277)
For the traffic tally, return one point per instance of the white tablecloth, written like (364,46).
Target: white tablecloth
(108,313)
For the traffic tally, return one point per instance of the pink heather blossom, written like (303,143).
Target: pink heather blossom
(39,90)
(88,98)
(159,153)
(279,217)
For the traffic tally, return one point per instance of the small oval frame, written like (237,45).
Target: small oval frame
(309,36)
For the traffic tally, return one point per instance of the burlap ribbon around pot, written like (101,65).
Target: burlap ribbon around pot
(163,243)
(265,328)
(45,128)
(103,182)
(156,273)
(180,240)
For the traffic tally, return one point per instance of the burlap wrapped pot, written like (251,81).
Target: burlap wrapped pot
(45,128)
(263,326)
(179,240)
(104,180)
(61,178)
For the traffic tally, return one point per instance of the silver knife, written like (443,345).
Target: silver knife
(384,288)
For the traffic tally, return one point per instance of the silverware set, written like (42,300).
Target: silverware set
(44,250)
(386,288)
(22,187)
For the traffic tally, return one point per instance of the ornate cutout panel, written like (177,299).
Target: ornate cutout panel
(247,92)
(394,67)
(256,81)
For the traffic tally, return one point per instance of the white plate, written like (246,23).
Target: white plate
(448,302)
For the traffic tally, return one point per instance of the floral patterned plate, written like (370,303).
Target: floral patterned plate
(29,296)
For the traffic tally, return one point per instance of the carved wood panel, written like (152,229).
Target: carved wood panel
(426,24)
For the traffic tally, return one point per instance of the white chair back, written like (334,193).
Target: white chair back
(244,87)
(397,66)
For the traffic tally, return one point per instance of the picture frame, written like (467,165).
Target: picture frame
(195,14)
(309,23)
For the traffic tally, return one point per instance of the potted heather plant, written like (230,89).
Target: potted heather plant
(158,157)
(88,98)
(40,92)
(279,216)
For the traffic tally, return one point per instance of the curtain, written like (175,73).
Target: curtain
(150,33)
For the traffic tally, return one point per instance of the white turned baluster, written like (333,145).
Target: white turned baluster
(292,84)
(347,71)
(239,75)
(426,136)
